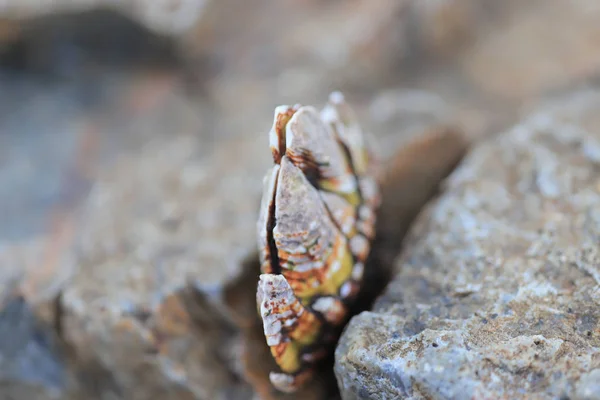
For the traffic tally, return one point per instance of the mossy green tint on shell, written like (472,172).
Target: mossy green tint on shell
(315,227)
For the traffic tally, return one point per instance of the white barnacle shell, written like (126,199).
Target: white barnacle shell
(316,224)
(312,146)
(301,218)
(276,301)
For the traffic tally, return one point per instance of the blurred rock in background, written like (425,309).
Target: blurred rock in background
(133,142)
(161,16)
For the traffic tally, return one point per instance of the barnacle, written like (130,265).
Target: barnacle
(315,227)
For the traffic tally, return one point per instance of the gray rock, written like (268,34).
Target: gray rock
(162,232)
(496,293)
(31,364)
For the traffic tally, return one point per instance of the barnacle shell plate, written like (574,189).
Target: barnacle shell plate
(315,226)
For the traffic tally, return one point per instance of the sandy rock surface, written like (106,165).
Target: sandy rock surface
(496,293)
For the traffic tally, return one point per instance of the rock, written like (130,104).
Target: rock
(162,232)
(364,41)
(523,58)
(356,45)
(165,17)
(441,29)
(34,235)
(9,31)
(31,362)
(496,292)
(411,177)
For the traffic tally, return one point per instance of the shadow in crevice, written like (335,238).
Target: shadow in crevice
(412,178)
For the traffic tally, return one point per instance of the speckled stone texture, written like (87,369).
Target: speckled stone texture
(30,359)
(496,294)
(161,234)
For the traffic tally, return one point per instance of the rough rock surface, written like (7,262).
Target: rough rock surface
(31,364)
(160,234)
(496,294)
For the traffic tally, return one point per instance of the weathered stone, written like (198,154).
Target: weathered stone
(34,235)
(31,362)
(361,43)
(161,233)
(496,293)
(523,58)
(411,177)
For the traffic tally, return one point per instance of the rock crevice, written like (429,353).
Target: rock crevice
(496,293)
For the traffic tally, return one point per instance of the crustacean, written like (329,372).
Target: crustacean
(315,228)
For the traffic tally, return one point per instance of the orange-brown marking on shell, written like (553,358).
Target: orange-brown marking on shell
(308,285)
(278,350)
(285,256)
(350,164)
(302,326)
(307,162)
(300,280)
(280,126)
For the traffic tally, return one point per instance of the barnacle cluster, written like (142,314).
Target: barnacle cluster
(316,224)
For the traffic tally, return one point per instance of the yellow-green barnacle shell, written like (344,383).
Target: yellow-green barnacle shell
(342,212)
(287,323)
(289,329)
(316,223)
(338,114)
(342,119)
(314,256)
